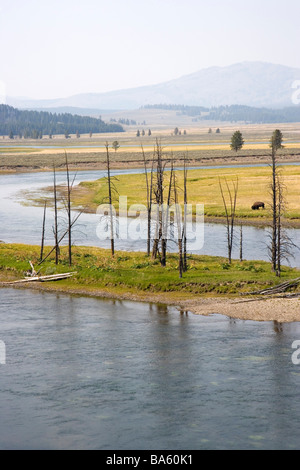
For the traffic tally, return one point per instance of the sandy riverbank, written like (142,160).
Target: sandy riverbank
(281,310)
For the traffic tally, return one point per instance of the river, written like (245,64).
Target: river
(23,224)
(84,373)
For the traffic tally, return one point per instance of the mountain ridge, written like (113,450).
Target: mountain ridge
(246,83)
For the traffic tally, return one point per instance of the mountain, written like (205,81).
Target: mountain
(255,84)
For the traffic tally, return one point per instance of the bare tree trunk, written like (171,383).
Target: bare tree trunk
(241,243)
(159,196)
(112,240)
(279,226)
(55,218)
(230,215)
(43,231)
(69,215)
(149,201)
(274,247)
(61,238)
(179,229)
(185,216)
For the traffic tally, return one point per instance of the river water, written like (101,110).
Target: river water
(83,373)
(22,224)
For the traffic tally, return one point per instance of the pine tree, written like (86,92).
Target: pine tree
(115,145)
(237,141)
(276,140)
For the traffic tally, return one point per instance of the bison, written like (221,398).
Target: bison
(257,205)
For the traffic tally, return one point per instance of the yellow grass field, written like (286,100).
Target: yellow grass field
(203,187)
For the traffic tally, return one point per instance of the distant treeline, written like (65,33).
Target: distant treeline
(235,113)
(35,124)
(188,110)
(126,122)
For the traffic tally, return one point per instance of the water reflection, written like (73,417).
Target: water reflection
(89,373)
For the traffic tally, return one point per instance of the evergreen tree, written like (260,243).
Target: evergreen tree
(276,140)
(115,145)
(237,141)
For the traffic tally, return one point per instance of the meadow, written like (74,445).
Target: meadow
(204,188)
(202,148)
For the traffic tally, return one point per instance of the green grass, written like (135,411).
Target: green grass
(203,187)
(136,274)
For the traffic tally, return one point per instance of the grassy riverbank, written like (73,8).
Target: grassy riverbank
(210,286)
(203,187)
(136,274)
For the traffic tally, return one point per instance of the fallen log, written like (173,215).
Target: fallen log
(52,277)
(279,289)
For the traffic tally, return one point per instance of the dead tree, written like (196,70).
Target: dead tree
(230,212)
(274,208)
(43,231)
(179,227)
(241,242)
(158,190)
(62,237)
(167,217)
(55,229)
(185,201)
(69,215)
(149,190)
(281,244)
(285,244)
(68,207)
(111,188)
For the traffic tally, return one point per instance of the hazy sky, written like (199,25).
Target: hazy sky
(57,48)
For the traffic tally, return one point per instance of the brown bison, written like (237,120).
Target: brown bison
(257,205)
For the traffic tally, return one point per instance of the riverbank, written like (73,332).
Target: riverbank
(83,160)
(281,310)
(210,285)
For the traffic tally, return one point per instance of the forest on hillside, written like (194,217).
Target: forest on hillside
(234,113)
(35,124)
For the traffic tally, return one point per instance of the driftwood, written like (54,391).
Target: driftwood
(279,289)
(51,277)
(33,276)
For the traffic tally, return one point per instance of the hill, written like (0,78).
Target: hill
(36,123)
(235,113)
(256,84)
